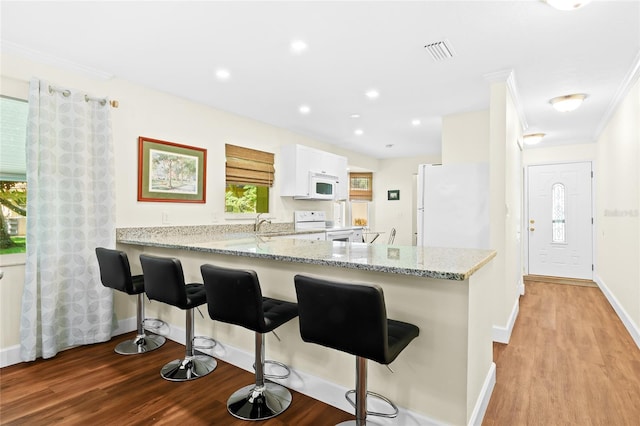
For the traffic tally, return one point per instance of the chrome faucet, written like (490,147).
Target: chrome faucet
(258,222)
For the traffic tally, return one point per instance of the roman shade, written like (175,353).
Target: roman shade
(361,186)
(248,166)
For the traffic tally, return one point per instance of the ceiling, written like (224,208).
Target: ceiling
(353,46)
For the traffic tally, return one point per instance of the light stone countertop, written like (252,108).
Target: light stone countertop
(433,262)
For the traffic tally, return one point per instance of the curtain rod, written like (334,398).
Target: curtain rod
(87,98)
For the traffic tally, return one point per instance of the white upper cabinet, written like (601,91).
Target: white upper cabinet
(298,162)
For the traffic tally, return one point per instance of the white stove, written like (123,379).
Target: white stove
(305,220)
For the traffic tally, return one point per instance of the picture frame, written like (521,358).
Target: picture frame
(393,195)
(171,172)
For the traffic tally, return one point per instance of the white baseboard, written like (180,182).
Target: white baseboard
(483,399)
(10,356)
(503,334)
(631,327)
(314,387)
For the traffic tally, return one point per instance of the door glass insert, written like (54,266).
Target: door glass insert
(558,233)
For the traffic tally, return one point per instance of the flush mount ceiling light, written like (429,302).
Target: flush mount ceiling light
(533,138)
(372,94)
(568,102)
(415,122)
(298,46)
(354,116)
(223,74)
(304,109)
(358,132)
(566,4)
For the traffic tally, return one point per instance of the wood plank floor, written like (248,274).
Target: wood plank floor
(92,385)
(570,361)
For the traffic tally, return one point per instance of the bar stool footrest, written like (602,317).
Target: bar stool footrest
(275,376)
(383,398)
(212,342)
(155,325)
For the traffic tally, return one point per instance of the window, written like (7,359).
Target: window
(361,186)
(13,175)
(249,175)
(558,234)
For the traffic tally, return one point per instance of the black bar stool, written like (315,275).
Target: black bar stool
(115,272)
(164,282)
(352,318)
(234,296)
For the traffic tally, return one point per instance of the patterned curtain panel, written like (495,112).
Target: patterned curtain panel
(71,210)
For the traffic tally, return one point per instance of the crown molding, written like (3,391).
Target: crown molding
(45,58)
(625,86)
(509,78)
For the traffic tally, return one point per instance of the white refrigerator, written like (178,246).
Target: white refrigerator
(453,205)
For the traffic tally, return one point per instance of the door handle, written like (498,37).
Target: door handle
(532,229)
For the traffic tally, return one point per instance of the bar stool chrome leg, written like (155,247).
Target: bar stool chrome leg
(142,342)
(263,399)
(191,366)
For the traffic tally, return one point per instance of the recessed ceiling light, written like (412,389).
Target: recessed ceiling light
(415,122)
(298,46)
(358,132)
(304,109)
(566,4)
(223,74)
(354,116)
(389,145)
(533,138)
(568,102)
(372,94)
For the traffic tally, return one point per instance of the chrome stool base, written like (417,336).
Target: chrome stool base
(355,423)
(254,402)
(190,368)
(141,344)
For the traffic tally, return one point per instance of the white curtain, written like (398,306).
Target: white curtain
(71,210)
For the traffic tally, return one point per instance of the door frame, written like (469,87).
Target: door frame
(525,216)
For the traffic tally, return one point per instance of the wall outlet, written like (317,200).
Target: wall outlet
(166,220)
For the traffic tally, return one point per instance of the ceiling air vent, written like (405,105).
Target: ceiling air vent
(440,50)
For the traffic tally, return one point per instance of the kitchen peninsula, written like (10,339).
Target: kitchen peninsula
(445,375)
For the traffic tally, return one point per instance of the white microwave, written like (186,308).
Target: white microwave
(322,186)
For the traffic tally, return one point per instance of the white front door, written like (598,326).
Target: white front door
(559,220)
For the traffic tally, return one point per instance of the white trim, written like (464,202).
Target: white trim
(503,334)
(477,415)
(312,386)
(624,88)
(631,327)
(508,76)
(10,356)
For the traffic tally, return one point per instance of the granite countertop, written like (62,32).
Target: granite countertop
(433,262)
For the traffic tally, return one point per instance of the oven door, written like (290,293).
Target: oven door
(341,235)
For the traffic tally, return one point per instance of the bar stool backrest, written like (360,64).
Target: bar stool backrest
(164,280)
(115,271)
(348,317)
(234,296)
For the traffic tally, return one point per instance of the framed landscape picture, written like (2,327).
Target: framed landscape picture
(171,172)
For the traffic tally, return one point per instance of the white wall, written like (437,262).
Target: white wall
(618,211)
(398,174)
(559,154)
(465,137)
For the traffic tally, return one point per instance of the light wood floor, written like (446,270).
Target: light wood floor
(570,362)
